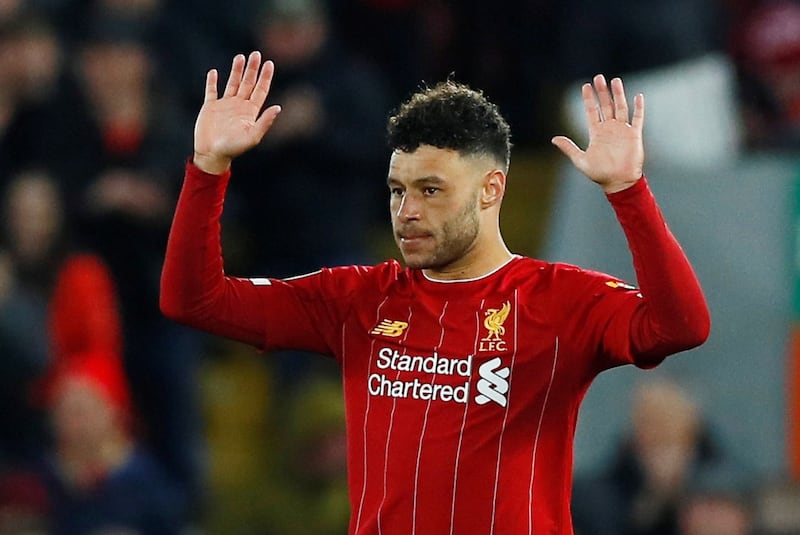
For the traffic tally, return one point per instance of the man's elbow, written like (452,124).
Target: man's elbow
(697,329)
(168,308)
(172,307)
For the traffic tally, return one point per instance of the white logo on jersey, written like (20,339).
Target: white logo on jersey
(493,384)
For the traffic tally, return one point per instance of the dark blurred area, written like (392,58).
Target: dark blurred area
(97,103)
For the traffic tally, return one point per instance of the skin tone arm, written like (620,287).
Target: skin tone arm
(615,155)
(230,125)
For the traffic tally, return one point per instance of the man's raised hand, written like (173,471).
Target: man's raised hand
(229,125)
(614,157)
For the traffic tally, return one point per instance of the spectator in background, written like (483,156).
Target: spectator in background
(63,300)
(641,492)
(70,304)
(39,102)
(765,44)
(131,143)
(24,357)
(718,501)
(331,131)
(96,475)
(33,243)
(325,156)
(98,480)
(24,503)
(96,121)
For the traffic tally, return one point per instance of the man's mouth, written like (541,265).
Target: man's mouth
(411,238)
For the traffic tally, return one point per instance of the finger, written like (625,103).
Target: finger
(250,75)
(211,85)
(235,77)
(638,112)
(590,105)
(620,102)
(261,89)
(569,148)
(264,122)
(604,97)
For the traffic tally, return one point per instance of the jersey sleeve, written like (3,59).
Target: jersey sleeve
(666,314)
(301,313)
(306,312)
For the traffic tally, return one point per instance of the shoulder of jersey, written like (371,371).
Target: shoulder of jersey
(379,276)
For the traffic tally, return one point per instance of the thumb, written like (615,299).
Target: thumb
(264,122)
(568,147)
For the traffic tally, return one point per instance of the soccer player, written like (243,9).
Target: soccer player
(464,370)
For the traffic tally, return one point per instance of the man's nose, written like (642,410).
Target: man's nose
(408,208)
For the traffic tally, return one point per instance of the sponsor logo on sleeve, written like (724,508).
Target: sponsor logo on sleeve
(622,285)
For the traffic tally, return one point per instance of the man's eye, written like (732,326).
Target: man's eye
(396,192)
(430,191)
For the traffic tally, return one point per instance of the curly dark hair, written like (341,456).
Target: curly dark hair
(451,115)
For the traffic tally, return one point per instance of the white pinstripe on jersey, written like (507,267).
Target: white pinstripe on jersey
(424,426)
(389,434)
(366,417)
(505,414)
(464,422)
(538,430)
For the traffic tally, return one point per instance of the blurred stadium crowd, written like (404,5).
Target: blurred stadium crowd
(112,418)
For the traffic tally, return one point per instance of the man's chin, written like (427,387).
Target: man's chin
(416,261)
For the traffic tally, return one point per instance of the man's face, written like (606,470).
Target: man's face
(82,416)
(434,206)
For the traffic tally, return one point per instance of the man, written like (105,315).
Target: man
(463,372)
(97,476)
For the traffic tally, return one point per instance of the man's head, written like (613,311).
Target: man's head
(452,116)
(89,401)
(447,174)
(292,32)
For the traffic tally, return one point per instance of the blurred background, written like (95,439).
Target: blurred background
(114,420)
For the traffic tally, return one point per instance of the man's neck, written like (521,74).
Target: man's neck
(475,264)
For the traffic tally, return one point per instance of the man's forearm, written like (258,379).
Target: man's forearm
(192,275)
(675,316)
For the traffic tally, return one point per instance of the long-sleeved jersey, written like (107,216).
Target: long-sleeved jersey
(461,396)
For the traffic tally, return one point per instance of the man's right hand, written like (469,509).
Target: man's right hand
(229,125)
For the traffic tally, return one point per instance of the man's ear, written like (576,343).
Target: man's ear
(494,187)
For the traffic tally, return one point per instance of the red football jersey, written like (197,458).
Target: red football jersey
(461,396)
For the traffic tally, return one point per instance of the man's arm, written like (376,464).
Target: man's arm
(674,315)
(194,289)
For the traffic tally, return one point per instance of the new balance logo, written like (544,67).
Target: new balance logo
(391,328)
(493,384)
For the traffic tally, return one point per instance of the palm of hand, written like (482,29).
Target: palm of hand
(614,157)
(615,151)
(227,127)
